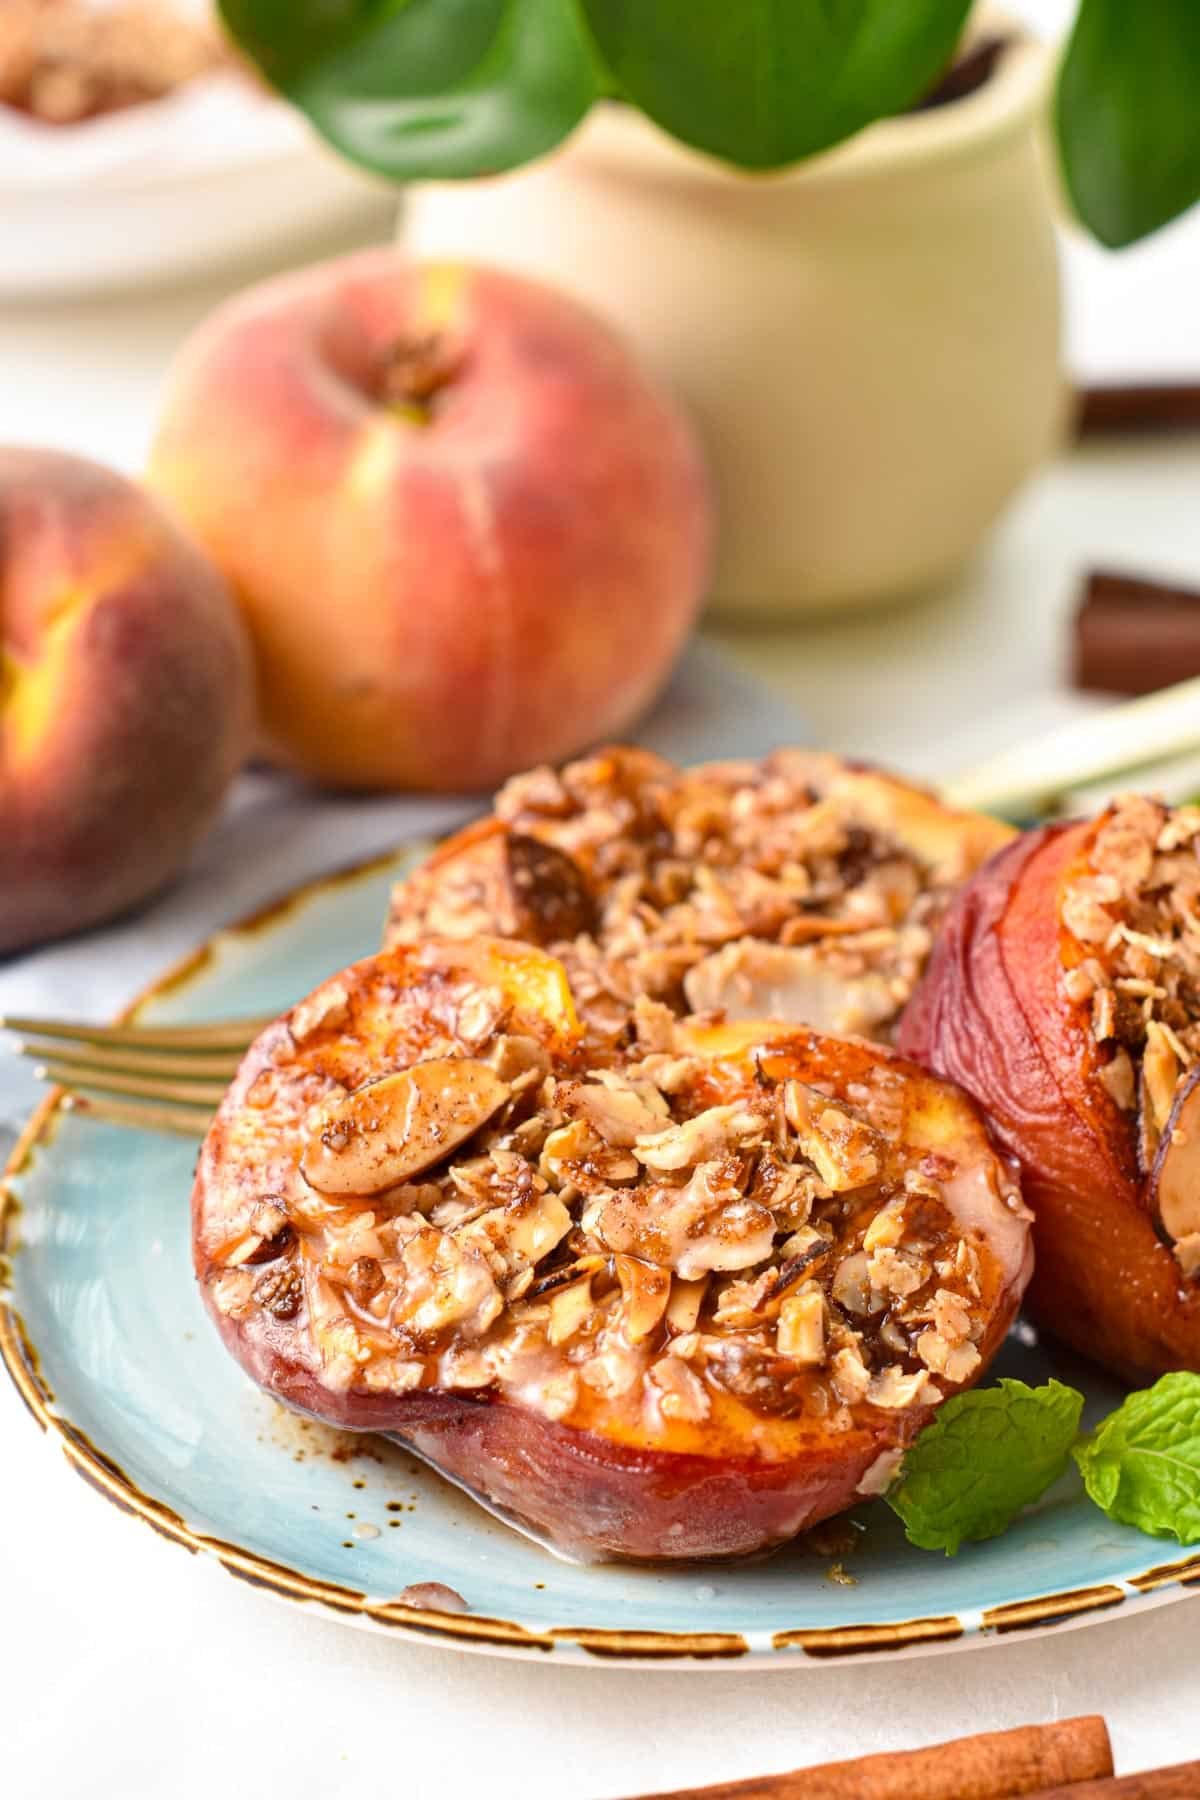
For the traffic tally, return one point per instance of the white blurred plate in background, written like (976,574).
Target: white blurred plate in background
(215,174)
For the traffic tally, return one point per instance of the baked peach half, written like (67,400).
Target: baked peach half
(800,887)
(1064,994)
(681,1302)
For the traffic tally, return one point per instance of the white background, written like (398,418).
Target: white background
(134,1669)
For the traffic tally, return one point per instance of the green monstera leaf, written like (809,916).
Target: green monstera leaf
(431,88)
(435,89)
(764,82)
(1129,115)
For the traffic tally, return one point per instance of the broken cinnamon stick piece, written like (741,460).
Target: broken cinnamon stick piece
(1134,635)
(995,1765)
(1138,409)
(1181,1781)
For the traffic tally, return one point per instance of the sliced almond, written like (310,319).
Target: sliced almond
(683,1306)
(401,1125)
(645,1291)
(569,1307)
(1174,1191)
(1160,1078)
(852,1284)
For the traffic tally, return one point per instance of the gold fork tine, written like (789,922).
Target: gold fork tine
(180,1121)
(184,1065)
(140,1087)
(223,1034)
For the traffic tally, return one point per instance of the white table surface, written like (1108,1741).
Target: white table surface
(127,1667)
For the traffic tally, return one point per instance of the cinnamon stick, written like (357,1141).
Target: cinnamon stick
(995,1765)
(1134,635)
(1179,1782)
(1133,409)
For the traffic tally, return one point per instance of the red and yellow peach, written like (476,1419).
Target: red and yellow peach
(468,531)
(125,695)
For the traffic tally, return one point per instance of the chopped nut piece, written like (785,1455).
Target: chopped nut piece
(886,1229)
(445,1284)
(645,1291)
(560,1395)
(950,1316)
(894,1390)
(1187,1254)
(842,1149)
(518,1235)
(1118,1077)
(851,1378)
(466,1366)
(800,1333)
(707,1224)
(479,1013)
(957,1362)
(709,1134)
(513,1055)
(891,1272)
(568,1145)
(752,980)
(1104,1014)
(280,1292)
(613,1371)
(654,1024)
(883,1471)
(681,1392)
(617,1110)
(232,1291)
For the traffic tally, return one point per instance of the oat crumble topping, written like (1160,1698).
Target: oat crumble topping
(1133,952)
(664,1231)
(798,887)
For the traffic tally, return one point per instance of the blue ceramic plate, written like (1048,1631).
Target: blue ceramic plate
(105,1338)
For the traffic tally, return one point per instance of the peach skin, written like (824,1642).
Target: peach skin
(680,1303)
(126,695)
(1064,994)
(467,530)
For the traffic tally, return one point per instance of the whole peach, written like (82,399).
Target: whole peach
(467,529)
(126,695)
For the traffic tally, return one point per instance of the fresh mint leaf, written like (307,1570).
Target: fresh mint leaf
(985,1456)
(1142,1465)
